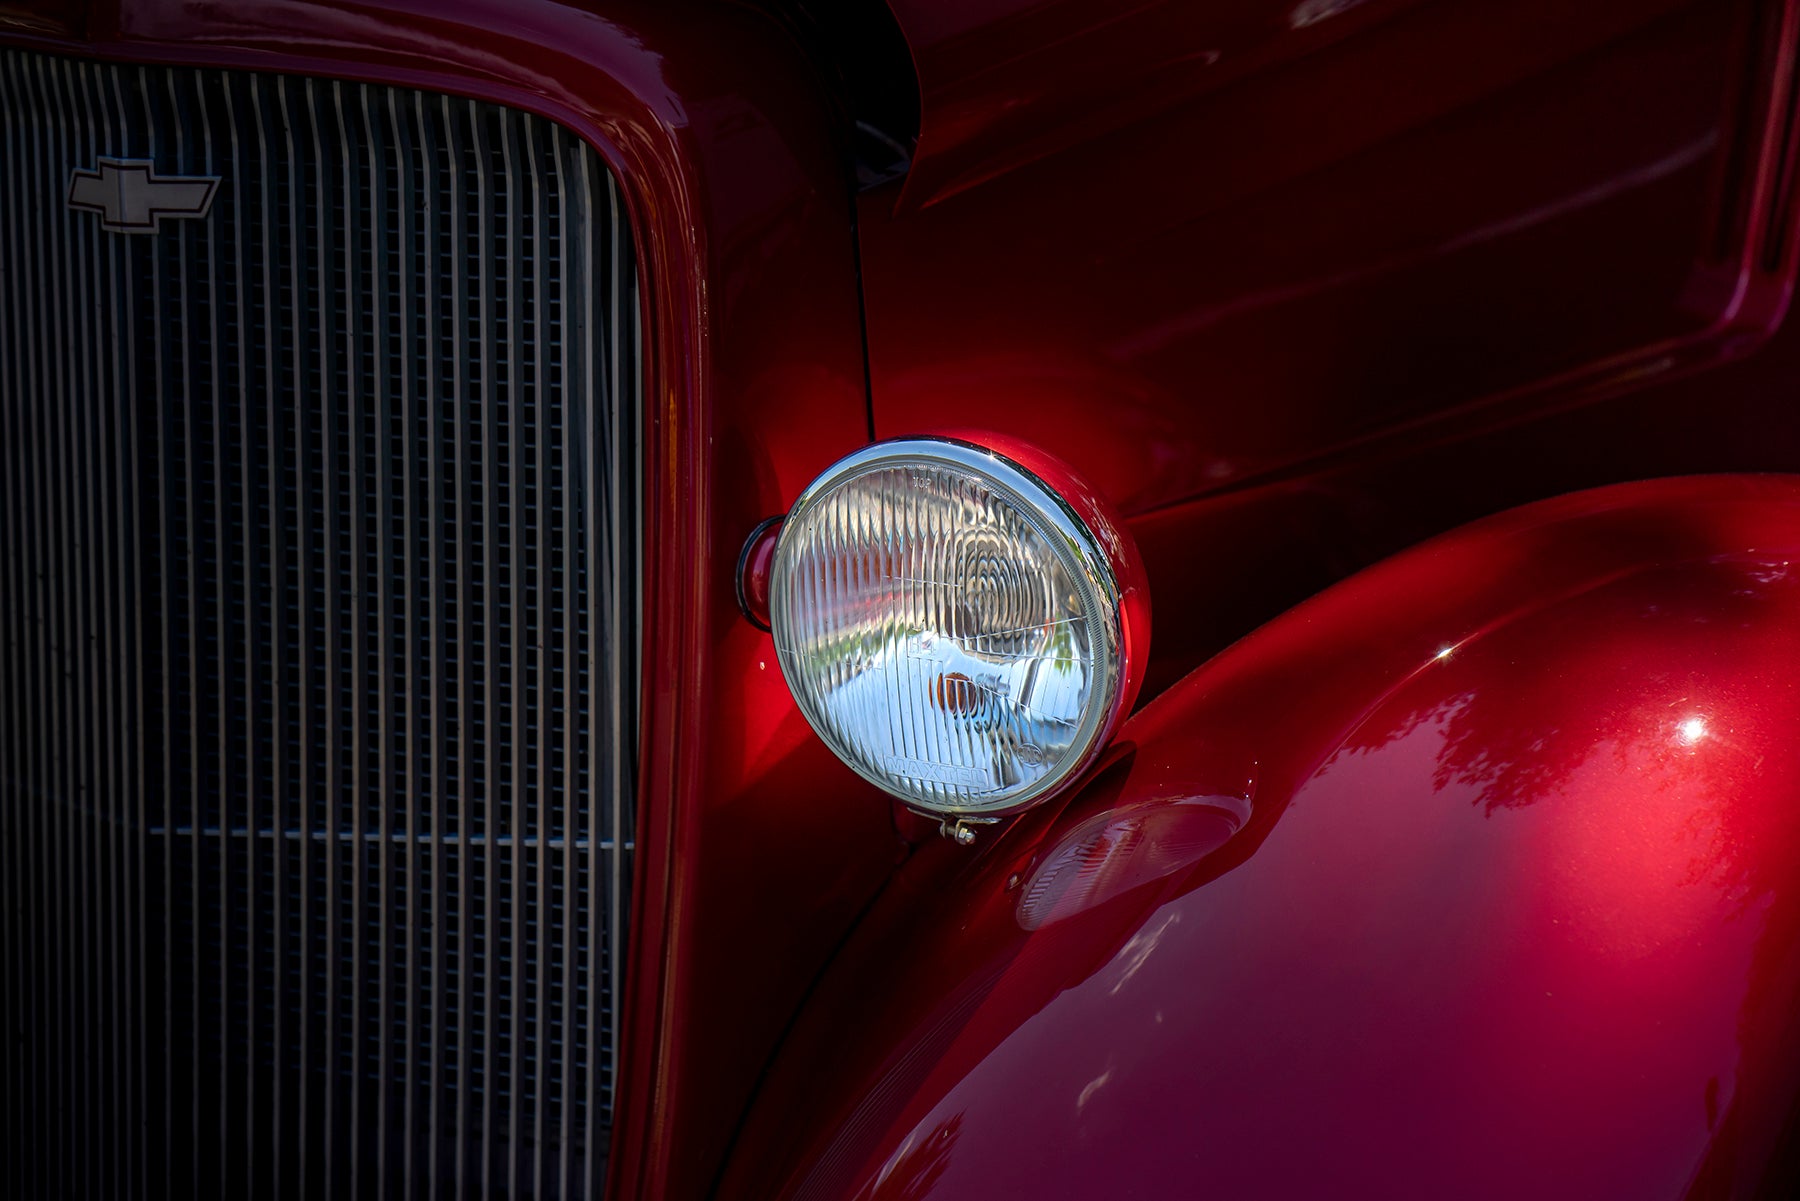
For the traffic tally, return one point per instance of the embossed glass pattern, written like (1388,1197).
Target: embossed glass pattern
(947,625)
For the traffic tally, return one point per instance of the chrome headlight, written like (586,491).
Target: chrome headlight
(959,631)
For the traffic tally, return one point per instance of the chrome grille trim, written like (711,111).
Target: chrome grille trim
(320,638)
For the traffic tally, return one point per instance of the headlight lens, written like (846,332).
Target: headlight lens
(950,625)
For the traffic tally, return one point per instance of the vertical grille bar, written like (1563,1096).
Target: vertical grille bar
(571,746)
(455,680)
(319,649)
(374,531)
(435,582)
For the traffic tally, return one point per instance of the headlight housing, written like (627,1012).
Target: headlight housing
(963,627)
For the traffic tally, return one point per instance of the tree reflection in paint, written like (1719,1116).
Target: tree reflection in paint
(1662,706)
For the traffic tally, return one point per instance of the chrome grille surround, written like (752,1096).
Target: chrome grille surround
(320,642)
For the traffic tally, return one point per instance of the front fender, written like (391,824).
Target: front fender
(1476,875)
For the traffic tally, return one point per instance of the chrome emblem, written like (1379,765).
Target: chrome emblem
(132,198)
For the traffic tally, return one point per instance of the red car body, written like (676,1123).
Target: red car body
(1475,874)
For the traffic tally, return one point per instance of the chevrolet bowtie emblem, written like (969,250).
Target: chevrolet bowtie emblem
(131,197)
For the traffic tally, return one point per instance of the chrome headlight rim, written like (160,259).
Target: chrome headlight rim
(1083,550)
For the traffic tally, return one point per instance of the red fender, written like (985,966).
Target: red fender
(1477,875)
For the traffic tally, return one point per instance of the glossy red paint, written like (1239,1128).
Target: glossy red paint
(1272,283)
(735,183)
(1477,875)
(1004,83)
(1221,565)
(56,17)
(1259,236)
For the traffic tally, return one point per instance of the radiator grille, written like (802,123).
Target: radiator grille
(318,666)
